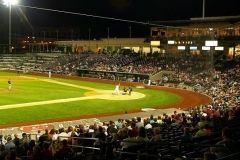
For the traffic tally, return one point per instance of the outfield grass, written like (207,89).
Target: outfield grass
(36,90)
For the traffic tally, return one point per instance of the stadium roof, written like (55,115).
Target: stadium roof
(218,19)
(206,20)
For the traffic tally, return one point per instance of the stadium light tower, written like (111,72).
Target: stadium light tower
(9,3)
(203,9)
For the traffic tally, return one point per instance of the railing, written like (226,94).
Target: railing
(233,156)
(158,76)
(140,155)
(115,75)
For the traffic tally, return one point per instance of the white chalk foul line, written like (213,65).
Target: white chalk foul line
(61,83)
(44,102)
(105,96)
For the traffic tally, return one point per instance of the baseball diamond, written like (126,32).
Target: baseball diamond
(77,96)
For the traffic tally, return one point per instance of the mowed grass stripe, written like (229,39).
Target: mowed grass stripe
(29,91)
(60,83)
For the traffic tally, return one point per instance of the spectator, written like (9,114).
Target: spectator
(227,145)
(63,152)
(156,135)
(9,145)
(187,136)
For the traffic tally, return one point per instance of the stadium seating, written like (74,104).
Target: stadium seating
(211,130)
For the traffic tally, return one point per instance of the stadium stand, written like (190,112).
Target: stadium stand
(202,132)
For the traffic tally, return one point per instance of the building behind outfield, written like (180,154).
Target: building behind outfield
(193,33)
(171,37)
(167,36)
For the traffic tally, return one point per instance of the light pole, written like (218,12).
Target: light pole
(89,37)
(43,42)
(203,9)
(10,29)
(9,3)
(108,35)
(130,31)
(57,34)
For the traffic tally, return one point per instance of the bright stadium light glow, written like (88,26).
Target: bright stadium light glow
(171,42)
(155,43)
(211,43)
(10,2)
(193,47)
(219,48)
(205,48)
(181,47)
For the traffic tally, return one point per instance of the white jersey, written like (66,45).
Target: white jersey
(149,82)
(116,90)
(49,74)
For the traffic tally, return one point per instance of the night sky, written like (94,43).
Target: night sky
(137,10)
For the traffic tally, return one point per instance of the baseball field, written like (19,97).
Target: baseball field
(36,99)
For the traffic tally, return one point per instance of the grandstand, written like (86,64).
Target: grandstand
(109,138)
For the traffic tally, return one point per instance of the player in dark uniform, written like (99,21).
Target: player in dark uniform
(9,85)
(130,90)
(124,91)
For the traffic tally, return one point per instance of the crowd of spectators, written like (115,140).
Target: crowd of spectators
(178,135)
(135,63)
(205,132)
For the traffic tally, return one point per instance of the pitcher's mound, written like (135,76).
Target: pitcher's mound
(108,95)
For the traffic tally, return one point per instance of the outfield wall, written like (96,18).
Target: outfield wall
(124,76)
